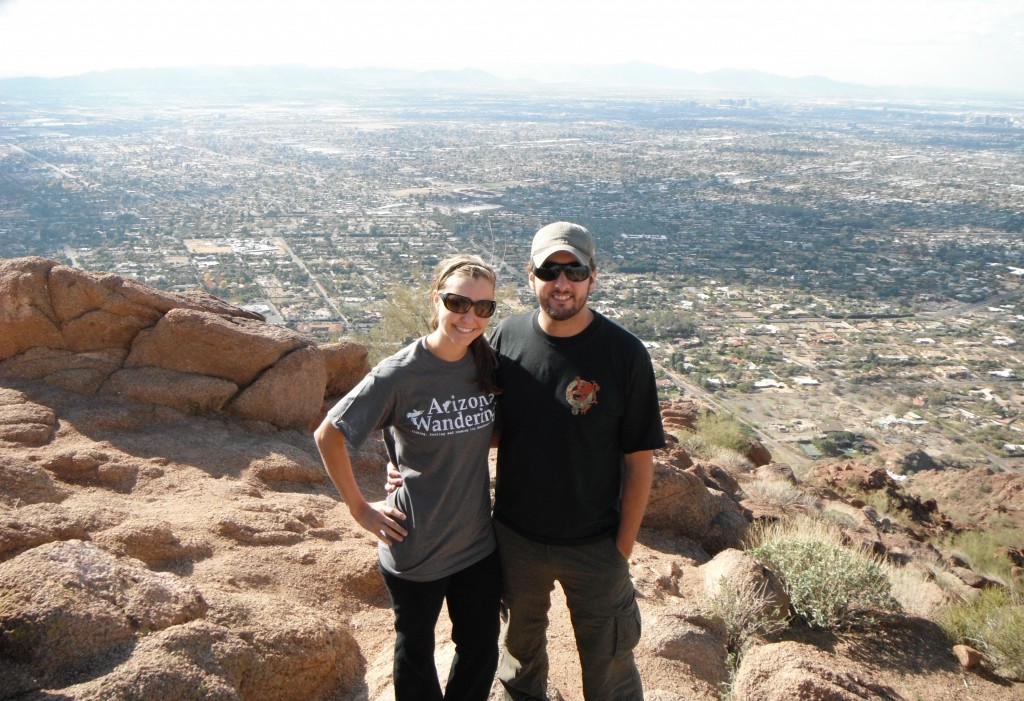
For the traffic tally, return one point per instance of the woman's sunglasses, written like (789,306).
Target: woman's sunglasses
(483,308)
(575,272)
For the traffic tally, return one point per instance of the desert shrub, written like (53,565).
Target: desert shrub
(748,610)
(838,518)
(404,316)
(780,495)
(720,441)
(736,464)
(886,505)
(723,431)
(695,445)
(831,585)
(994,624)
(698,448)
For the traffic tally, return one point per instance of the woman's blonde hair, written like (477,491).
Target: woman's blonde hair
(466,265)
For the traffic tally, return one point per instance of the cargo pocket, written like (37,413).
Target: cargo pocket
(627,629)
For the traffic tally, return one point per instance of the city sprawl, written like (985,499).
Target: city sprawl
(818,268)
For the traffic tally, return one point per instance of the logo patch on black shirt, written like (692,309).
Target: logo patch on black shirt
(581,395)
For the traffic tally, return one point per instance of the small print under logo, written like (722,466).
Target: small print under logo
(581,395)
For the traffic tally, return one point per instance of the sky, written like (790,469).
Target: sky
(977,44)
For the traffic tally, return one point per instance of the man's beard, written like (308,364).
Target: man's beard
(563,312)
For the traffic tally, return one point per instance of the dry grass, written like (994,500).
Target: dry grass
(994,624)
(748,610)
(921,593)
(780,495)
(980,550)
(736,464)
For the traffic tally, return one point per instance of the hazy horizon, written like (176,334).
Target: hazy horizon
(948,44)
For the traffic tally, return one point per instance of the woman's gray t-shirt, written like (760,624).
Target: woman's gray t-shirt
(437,426)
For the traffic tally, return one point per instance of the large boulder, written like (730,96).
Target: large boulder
(101,333)
(681,503)
(82,372)
(187,392)
(758,453)
(289,394)
(687,645)
(26,313)
(682,413)
(68,604)
(202,343)
(93,314)
(788,670)
(45,304)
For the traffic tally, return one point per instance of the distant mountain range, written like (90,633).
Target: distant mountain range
(640,77)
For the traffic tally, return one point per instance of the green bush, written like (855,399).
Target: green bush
(994,624)
(698,447)
(723,432)
(831,586)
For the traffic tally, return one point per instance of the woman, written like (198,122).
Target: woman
(434,401)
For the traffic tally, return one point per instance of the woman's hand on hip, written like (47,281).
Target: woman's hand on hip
(382,521)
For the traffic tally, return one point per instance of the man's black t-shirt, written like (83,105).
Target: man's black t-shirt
(570,409)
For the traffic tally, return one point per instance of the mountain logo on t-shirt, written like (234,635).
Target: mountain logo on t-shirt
(581,395)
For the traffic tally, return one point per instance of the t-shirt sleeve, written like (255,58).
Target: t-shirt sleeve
(642,429)
(367,408)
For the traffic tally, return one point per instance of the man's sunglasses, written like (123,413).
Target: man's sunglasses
(575,272)
(483,308)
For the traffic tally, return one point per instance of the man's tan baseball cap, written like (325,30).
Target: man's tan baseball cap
(562,236)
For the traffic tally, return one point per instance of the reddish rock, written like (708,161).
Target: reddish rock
(26,314)
(202,343)
(188,393)
(747,579)
(23,421)
(101,333)
(346,363)
(758,454)
(776,471)
(680,502)
(289,394)
(681,413)
(968,657)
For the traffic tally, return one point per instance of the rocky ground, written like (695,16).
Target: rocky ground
(147,554)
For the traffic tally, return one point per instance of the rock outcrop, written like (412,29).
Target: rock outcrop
(787,671)
(104,334)
(684,503)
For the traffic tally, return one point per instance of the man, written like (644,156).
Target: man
(579,421)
